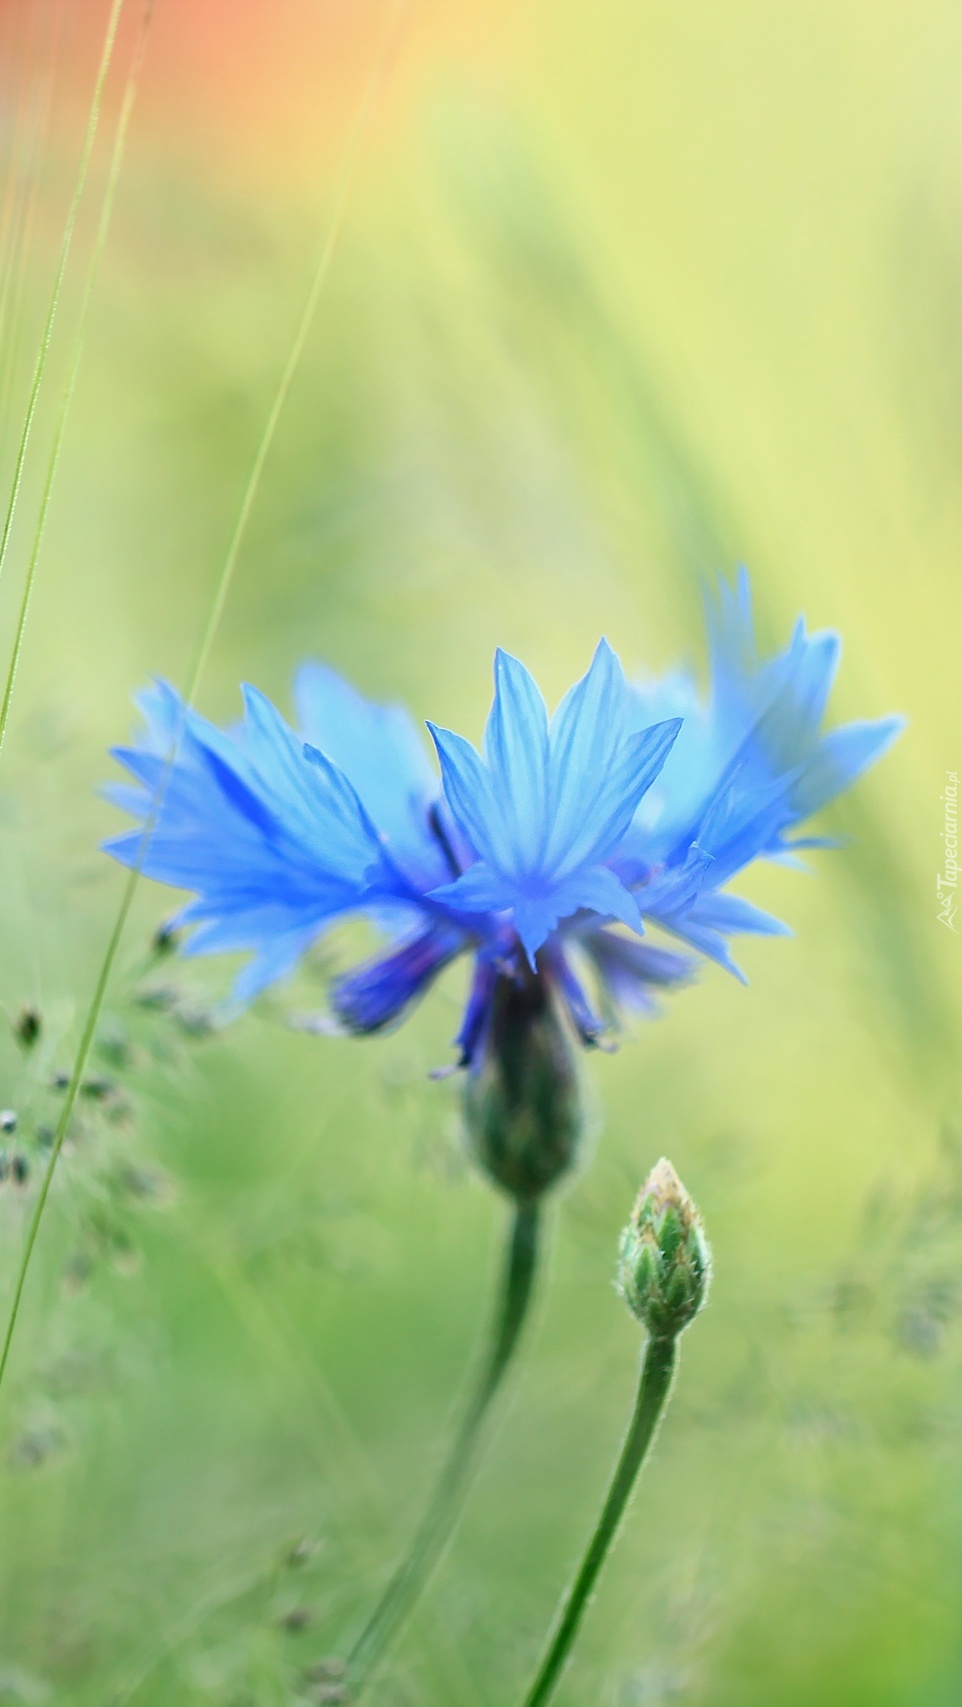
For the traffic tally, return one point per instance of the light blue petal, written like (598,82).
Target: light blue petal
(586,732)
(516,752)
(708,942)
(273,963)
(605,818)
(351,844)
(841,757)
(724,912)
(378,747)
(595,890)
(277,755)
(147,767)
(678,887)
(272,844)
(467,788)
(480,889)
(630,971)
(600,891)
(136,801)
(536,911)
(535,917)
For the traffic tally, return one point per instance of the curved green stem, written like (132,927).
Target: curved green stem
(657,1373)
(444,1506)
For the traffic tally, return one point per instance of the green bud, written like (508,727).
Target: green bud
(522,1101)
(664,1263)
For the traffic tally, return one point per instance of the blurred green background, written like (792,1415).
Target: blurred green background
(625,294)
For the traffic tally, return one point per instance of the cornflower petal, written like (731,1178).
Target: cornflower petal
(630,971)
(274,842)
(467,788)
(595,833)
(378,746)
(586,731)
(377,994)
(842,756)
(750,764)
(516,752)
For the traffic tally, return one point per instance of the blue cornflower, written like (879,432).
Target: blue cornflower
(542,856)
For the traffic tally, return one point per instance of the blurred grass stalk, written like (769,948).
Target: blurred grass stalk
(90,134)
(222,585)
(113,176)
(33,399)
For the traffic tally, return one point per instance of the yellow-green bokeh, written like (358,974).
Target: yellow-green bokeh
(625,294)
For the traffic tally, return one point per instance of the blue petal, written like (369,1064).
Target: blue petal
(379,749)
(480,889)
(748,768)
(535,917)
(377,994)
(705,924)
(631,970)
(477,1013)
(274,962)
(759,731)
(595,832)
(724,912)
(708,942)
(679,886)
(147,767)
(599,770)
(272,844)
(597,890)
(467,787)
(536,910)
(132,800)
(586,732)
(350,841)
(516,751)
(581,728)
(589,1025)
(841,757)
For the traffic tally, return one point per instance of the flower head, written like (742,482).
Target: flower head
(542,855)
(664,1264)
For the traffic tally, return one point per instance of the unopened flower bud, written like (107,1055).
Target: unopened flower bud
(523,1102)
(664,1264)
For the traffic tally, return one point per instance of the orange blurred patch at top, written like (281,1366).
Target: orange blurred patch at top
(279,82)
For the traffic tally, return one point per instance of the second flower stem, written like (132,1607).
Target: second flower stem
(411,1575)
(657,1373)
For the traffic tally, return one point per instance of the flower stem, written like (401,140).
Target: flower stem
(444,1506)
(657,1372)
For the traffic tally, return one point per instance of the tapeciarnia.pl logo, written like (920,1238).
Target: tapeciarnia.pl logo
(947,881)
